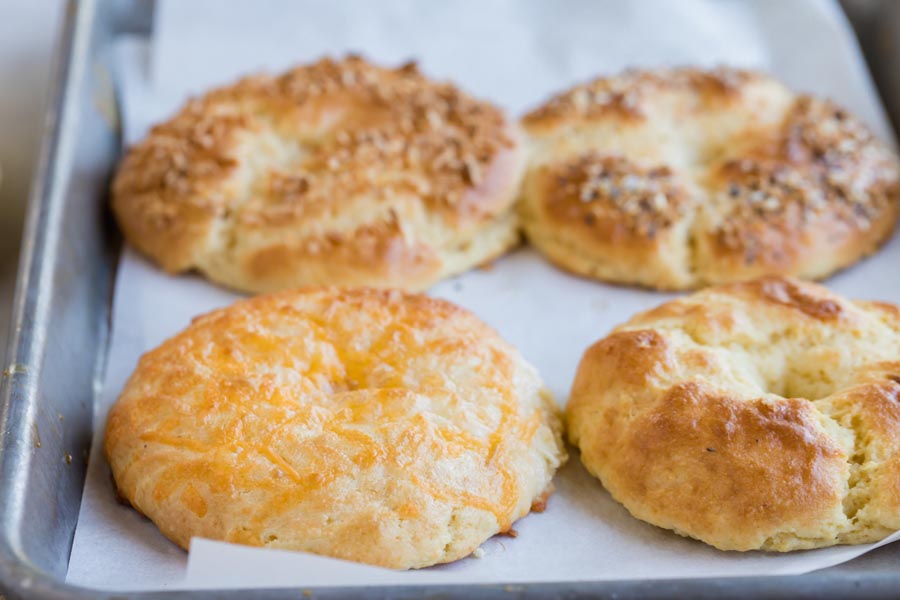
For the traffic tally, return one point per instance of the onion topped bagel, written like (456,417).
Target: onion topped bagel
(682,178)
(336,173)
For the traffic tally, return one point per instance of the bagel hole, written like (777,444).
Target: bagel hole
(790,360)
(781,364)
(811,385)
(794,368)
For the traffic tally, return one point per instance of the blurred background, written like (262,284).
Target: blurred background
(28,39)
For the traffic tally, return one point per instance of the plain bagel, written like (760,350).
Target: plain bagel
(762,415)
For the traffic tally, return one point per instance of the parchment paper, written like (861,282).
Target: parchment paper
(516,53)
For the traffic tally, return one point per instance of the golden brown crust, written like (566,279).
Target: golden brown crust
(313,169)
(756,180)
(629,95)
(374,426)
(759,415)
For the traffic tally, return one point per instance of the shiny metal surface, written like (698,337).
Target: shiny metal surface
(58,346)
(57,327)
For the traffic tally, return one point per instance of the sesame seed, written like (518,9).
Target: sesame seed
(630,182)
(587,194)
(771,203)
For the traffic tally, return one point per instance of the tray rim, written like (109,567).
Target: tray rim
(19,578)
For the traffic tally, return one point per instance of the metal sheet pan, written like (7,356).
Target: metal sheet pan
(58,348)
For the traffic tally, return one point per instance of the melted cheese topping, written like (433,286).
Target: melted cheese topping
(293,399)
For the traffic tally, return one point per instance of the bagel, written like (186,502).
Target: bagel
(752,416)
(336,173)
(682,178)
(368,425)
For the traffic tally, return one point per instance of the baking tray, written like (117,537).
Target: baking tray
(58,346)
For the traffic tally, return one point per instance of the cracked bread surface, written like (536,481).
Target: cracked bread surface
(680,178)
(335,173)
(753,416)
(369,425)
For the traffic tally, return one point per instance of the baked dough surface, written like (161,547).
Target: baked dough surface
(375,426)
(335,173)
(682,178)
(760,415)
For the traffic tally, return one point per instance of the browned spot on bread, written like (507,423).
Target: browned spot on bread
(381,250)
(758,445)
(539,504)
(789,293)
(632,356)
(120,498)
